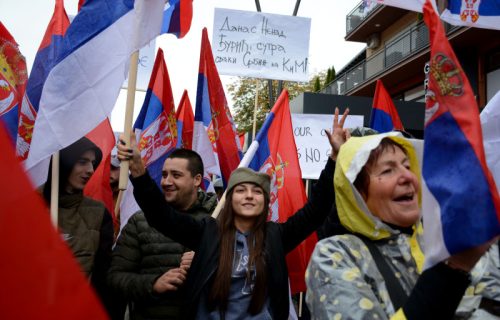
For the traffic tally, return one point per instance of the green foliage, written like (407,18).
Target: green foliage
(317,85)
(243,91)
(328,77)
(333,74)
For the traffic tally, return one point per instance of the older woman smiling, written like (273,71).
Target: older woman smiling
(375,272)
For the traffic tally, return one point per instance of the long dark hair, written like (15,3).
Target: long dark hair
(256,262)
(68,158)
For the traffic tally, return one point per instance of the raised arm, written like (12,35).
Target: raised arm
(311,216)
(160,215)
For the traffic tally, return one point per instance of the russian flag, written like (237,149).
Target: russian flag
(479,13)
(156,126)
(45,60)
(185,122)
(13,76)
(275,153)
(81,89)
(215,137)
(177,17)
(384,117)
(462,207)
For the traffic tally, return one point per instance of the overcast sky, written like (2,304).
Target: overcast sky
(27,20)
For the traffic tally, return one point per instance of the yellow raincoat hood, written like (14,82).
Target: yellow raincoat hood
(352,209)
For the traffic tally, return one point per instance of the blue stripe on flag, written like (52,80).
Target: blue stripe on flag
(150,111)
(486,7)
(93,18)
(10,120)
(381,121)
(180,124)
(45,60)
(263,152)
(458,186)
(202,112)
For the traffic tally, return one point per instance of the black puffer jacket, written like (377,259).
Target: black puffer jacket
(280,238)
(142,255)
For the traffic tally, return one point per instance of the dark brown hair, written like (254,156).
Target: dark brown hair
(68,158)
(195,164)
(255,241)
(362,181)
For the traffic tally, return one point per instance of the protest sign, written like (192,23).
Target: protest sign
(313,148)
(261,45)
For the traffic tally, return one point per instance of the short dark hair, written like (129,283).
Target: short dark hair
(195,164)
(362,181)
(68,158)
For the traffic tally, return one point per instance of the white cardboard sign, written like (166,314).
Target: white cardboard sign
(313,148)
(261,45)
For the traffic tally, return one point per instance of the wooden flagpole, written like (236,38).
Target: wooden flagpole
(54,191)
(129,113)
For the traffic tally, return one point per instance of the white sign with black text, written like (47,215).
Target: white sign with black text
(313,148)
(261,45)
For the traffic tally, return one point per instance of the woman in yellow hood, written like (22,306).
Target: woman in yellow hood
(375,272)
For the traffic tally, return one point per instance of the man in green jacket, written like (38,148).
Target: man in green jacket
(146,267)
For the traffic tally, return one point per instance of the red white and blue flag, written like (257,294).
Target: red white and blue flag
(177,17)
(275,153)
(45,60)
(462,208)
(384,117)
(156,131)
(473,13)
(81,88)
(215,137)
(185,122)
(13,76)
(156,126)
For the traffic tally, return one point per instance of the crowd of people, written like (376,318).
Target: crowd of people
(173,260)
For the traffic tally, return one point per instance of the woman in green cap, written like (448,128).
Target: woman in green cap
(239,270)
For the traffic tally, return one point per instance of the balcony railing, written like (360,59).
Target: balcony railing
(359,13)
(407,44)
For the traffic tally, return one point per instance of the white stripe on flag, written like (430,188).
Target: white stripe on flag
(81,90)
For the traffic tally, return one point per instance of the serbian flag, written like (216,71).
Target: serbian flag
(156,127)
(478,13)
(215,137)
(275,153)
(13,76)
(45,60)
(98,187)
(36,262)
(177,17)
(156,131)
(384,117)
(185,122)
(81,89)
(462,208)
